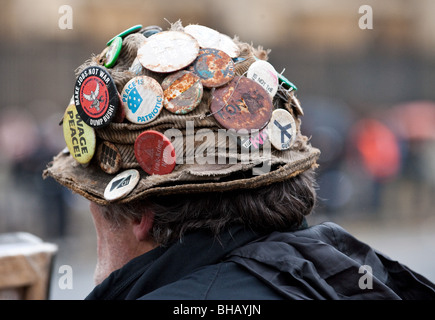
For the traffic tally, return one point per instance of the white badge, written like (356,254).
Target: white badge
(121,185)
(265,74)
(168,51)
(210,38)
(142,99)
(282,129)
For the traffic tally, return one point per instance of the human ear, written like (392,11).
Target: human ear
(142,227)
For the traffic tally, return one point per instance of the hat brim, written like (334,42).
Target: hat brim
(90,181)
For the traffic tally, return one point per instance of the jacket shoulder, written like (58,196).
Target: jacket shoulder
(222,281)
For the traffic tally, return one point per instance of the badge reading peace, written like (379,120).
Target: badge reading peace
(79,137)
(142,99)
(96,96)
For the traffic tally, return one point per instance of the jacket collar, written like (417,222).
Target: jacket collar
(164,265)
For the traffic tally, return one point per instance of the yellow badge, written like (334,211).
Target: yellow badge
(79,137)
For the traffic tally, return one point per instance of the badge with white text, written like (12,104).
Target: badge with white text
(122,185)
(282,129)
(142,99)
(79,137)
(96,96)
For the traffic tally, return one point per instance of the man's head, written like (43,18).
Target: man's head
(160,152)
(127,230)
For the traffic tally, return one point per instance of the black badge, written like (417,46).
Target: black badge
(96,96)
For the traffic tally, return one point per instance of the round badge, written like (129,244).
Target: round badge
(126,33)
(155,153)
(282,129)
(96,96)
(79,137)
(109,157)
(210,38)
(121,185)
(242,104)
(265,74)
(214,67)
(182,92)
(168,51)
(150,30)
(142,99)
(112,53)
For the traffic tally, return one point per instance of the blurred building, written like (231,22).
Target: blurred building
(318,44)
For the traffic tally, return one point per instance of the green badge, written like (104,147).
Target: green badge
(79,137)
(126,33)
(113,51)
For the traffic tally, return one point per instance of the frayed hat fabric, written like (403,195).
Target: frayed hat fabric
(208,159)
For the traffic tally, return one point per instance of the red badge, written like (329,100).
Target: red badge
(155,153)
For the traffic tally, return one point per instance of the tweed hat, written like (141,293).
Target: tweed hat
(182,110)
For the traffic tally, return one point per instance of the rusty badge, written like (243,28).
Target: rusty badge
(182,92)
(214,67)
(243,104)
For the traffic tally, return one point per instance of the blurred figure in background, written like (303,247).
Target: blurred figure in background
(26,147)
(375,149)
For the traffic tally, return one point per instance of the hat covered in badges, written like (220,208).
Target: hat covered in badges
(187,109)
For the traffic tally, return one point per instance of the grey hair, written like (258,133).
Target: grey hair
(279,206)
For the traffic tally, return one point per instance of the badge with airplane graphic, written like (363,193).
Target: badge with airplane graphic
(121,185)
(96,96)
(282,129)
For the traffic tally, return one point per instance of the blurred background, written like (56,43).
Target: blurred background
(368,97)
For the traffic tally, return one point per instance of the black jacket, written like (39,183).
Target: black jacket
(319,262)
